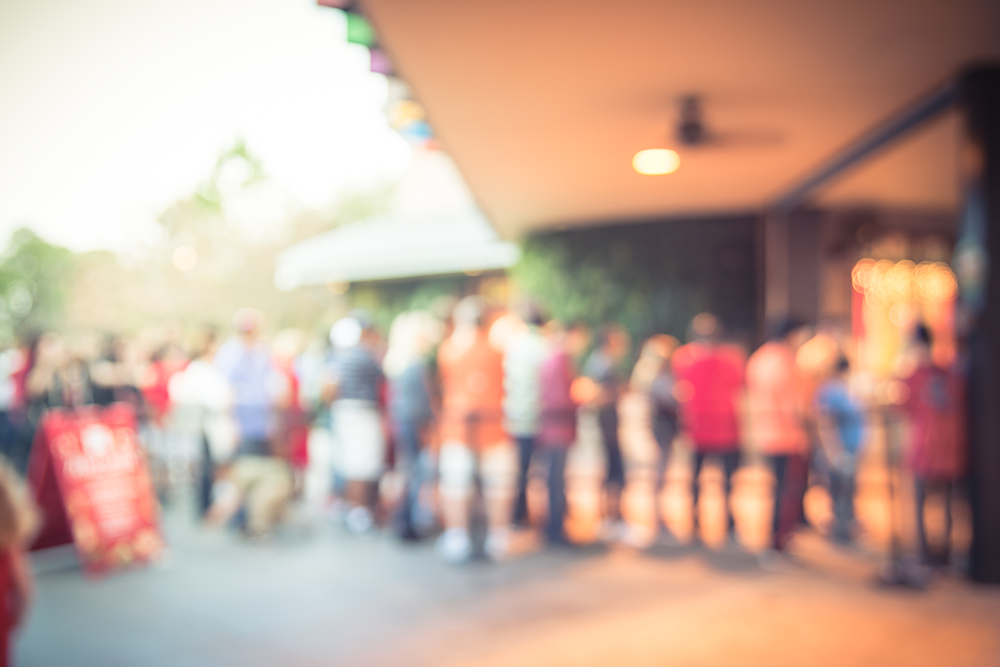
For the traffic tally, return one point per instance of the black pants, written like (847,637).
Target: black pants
(525,447)
(206,478)
(664,430)
(607,418)
(730,462)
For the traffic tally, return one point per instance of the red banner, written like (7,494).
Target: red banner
(90,477)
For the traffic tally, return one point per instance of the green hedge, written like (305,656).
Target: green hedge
(651,277)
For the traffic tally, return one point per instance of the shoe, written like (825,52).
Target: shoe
(559,541)
(454,546)
(772,560)
(359,521)
(666,538)
(497,544)
(612,531)
(732,542)
(636,537)
(408,534)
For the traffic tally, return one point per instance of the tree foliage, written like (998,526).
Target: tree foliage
(34,280)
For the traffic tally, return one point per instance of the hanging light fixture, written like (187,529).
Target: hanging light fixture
(656,161)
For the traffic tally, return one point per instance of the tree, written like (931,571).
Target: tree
(34,283)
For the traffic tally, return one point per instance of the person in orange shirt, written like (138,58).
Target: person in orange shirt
(777,425)
(472,436)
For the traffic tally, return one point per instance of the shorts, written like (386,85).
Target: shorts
(357,427)
(458,464)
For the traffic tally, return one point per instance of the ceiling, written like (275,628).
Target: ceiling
(542,104)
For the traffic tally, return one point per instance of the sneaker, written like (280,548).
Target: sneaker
(772,560)
(733,542)
(613,531)
(497,544)
(454,546)
(666,537)
(636,537)
(359,521)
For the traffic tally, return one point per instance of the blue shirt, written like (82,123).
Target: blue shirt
(251,376)
(834,402)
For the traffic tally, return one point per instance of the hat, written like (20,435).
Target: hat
(345,333)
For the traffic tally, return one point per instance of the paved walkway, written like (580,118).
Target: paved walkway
(319,597)
(315,596)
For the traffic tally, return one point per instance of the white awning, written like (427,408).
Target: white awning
(390,246)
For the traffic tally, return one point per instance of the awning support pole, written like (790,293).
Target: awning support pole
(977,266)
(865,146)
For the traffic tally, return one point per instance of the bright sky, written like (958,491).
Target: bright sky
(113,109)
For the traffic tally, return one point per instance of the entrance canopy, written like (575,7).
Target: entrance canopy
(393,246)
(542,105)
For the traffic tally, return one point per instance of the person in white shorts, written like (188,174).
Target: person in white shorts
(357,420)
(473,438)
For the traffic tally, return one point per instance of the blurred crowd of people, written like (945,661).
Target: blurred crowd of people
(437,428)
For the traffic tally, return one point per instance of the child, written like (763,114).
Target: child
(841,422)
(17,525)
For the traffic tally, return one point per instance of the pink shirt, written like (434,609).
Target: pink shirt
(557,426)
(775,415)
(936,405)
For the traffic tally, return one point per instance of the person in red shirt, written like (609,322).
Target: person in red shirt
(472,435)
(18,520)
(292,433)
(709,383)
(937,454)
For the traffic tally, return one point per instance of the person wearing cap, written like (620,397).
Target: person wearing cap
(473,437)
(356,418)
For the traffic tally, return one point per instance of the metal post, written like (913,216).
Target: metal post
(977,264)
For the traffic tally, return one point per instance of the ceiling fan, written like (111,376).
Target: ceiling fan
(693,132)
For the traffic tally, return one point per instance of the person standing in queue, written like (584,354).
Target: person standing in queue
(522,362)
(412,336)
(557,426)
(356,417)
(202,400)
(937,456)
(654,377)
(777,426)
(709,384)
(262,481)
(18,522)
(840,419)
(473,440)
(603,368)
